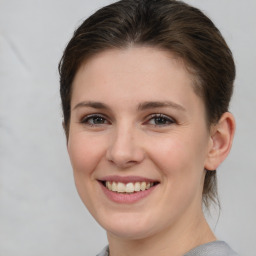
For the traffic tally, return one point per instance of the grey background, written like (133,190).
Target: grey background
(40,211)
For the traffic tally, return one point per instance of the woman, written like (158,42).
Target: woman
(145,89)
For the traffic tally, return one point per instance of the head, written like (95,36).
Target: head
(165,25)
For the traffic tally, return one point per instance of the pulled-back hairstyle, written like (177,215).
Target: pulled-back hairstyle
(165,24)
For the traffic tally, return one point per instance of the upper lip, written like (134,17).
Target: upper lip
(126,179)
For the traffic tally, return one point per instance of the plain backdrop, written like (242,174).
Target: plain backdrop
(40,211)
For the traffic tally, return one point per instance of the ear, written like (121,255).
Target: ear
(222,135)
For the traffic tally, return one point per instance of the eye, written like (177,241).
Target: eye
(94,120)
(160,120)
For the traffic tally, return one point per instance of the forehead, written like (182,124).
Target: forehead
(134,57)
(146,73)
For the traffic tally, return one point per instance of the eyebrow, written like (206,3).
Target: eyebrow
(160,104)
(91,104)
(142,106)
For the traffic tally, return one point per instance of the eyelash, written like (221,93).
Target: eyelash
(164,118)
(86,119)
(93,117)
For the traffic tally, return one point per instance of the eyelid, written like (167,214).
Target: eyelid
(171,120)
(84,119)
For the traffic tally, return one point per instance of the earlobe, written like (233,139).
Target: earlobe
(222,135)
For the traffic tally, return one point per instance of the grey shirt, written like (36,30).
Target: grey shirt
(216,248)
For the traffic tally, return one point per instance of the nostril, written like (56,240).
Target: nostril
(122,162)
(124,150)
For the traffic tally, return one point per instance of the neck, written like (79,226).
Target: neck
(175,240)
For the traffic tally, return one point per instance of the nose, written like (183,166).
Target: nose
(125,148)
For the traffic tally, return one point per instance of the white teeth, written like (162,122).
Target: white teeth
(129,187)
(120,187)
(143,186)
(109,185)
(137,186)
(114,186)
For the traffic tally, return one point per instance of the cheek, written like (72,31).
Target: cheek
(85,152)
(181,165)
(169,153)
(179,157)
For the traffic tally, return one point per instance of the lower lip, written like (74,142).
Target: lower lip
(126,198)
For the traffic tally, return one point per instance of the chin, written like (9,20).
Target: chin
(131,233)
(129,226)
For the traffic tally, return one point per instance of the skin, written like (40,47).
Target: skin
(127,140)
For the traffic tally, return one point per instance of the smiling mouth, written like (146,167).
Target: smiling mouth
(128,188)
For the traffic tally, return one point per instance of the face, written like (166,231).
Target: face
(138,141)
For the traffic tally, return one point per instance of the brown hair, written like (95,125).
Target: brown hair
(167,24)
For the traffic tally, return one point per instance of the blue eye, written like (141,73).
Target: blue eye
(160,120)
(94,120)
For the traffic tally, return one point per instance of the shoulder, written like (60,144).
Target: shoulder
(216,248)
(104,252)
